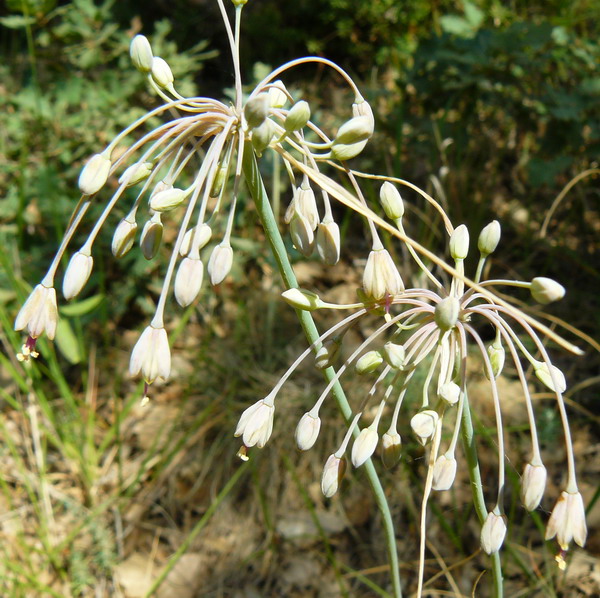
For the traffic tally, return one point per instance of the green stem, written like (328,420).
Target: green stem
(468,437)
(259,194)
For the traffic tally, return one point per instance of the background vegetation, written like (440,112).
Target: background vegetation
(492,106)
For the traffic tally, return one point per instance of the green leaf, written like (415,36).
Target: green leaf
(81,308)
(66,341)
(17,21)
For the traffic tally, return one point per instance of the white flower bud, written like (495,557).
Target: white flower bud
(489,238)
(141,53)
(542,372)
(302,234)
(306,204)
(94,174)
(302,299)
(151,355)
(391,449)
(307,431)
(363,108)
(123,238)
(533,484)
(188,280)
(256,424)
(39,313)
(333,472)
(450,393)
(297,117)
(364,446)
(493,532)
(357,129)
(567,521)
(444,472)
(343,152)
(497,356)
(423,425)
(219,263)
(381,277)
(151,237)
(391,201)
(394,355)
(446,313)
(277,95)
(136,173)
(167,200)
(262,136)
(161,73)
(328,242)
(459,242)
(327,354)
(256,110)
(291,209)
(545,290)
(77,274)
(197,237)
(369,362)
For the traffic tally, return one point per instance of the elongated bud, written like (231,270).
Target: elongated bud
(394,355)
(94,174)
(493,532)
(256,424)
(307,431)
(219,181)
(141,53)
(302,234)
(333,472)
(444,472)
(542,371)
(306,204)
(533,484)
(151,237)
(39,313)
(450,393)
(77,274)
(327,354)
(262,136)
(545,290)
(161,73)
(489,238)
(391,449)
(297,117)
(381,277)
(357,129)
(567,521)
(151,355)
(497,356)
(136,173)
(343,152)
(423,425)
(363,108)
(123,237)
(219,264)
(277,95)
(391,201)
(328,242)
(302,299)
(195,237)
(459,243)
(364,446)
(256,110)
(446,313)
(291,209)
(167,200)
(188,280)
(369,362)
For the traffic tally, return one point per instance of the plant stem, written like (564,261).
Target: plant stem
(259,194)
(477,488)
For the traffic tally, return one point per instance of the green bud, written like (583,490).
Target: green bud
(391,449)
(136,173)
(262,136)
(167,200)
(151,237)
(256,110)
(161,73)
(459,243)
(446,313)
(489,238)
(394,355)
(497,355)
(542,371)
(369,362)
(141,53)
(302,299)
(297,117)
(392,203)
(355,130)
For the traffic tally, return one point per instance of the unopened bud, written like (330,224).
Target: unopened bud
(141,53)
(333,472)
(302,299)
(77,274)
(489,238)
(533,484)
(277,95)
(542,371)
(357,129)
(328,242)
(307,431)
(188,280)
(123,237)
(364,446)
(306,204)
(363,108)
(302,234)
(444,472)
(394,355)
(256,110)
(195,237)
(161,73)
(381,277)
(262,136)
(391,201)
(369,362)
(327,354)
(424,424)
(151,237)
(459,242)
(545,290)
(343,152)
(135,174)
(219,264)
(167,200)
(493,532)
(450,393)
(219,181)
(297,117)
(391,449)
(497,356)
(446,313)
(94,174)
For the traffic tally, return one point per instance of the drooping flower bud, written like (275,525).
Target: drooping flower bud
(197,237)
(446,313)
(424,424)
(306,204)
(151,355)
(327,354)
(136,173)
(256,424)
(219,180)
(307,431)
(362,108)
(161,73)
(459,243)
(394,355)
(141,53)
(277,94)
(450,393)
(302,234)
(77,274)
(151,237)
(262,136)
(297,117)
(123,237)
(188,280)
(357,129)
(364,446)
(167,200)
(444,472)
(94,174)
(369,362)
(328,242)
(219,263)
(497,356)
(542,372)
(302,299)
(567,521)
(391,201)
(391,449)
(489,238)
(493,532)
(381,277)
(533,484)
(39,313)
(343,152)
(545,290)
(333,472)
(256,110)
